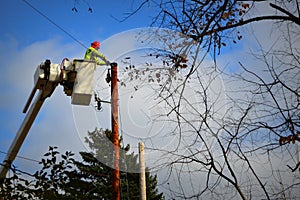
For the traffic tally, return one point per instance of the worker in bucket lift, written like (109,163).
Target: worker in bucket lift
(92,53)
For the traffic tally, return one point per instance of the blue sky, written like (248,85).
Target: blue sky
(25,24)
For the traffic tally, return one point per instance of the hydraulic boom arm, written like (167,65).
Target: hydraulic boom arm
(77,79)
(21,134)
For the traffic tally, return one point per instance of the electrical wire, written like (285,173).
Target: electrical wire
(14,170)
(22,157)
(55,24)
(33,160)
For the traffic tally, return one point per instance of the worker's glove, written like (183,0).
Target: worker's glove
(107,62)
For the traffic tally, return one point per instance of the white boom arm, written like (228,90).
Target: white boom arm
(76,77)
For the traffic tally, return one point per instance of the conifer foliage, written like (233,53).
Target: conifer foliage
(64,177)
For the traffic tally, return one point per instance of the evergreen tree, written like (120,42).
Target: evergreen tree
(97,165)
(63,177)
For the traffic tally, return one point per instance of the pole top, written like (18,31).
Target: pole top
(113,64)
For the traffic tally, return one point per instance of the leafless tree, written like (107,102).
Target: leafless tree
(246,146)
(214,23)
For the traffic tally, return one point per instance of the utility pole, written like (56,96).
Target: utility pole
(115,131)
(142,171)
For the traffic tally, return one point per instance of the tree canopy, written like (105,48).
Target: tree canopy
(64,177)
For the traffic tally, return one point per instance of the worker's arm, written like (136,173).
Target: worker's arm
(97,55)
(100,62)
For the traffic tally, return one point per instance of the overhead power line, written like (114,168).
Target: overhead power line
(55,24)
(24,158)
(18,170)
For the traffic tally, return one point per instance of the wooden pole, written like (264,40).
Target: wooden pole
(142,172)
(115,131)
